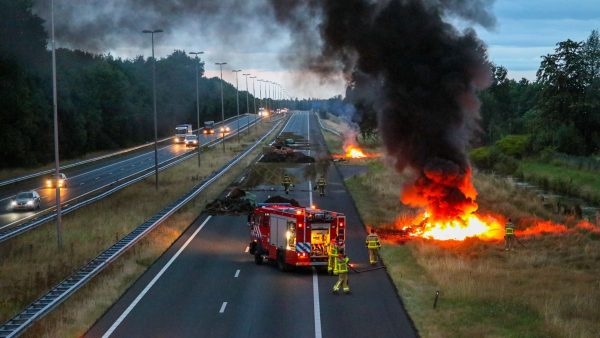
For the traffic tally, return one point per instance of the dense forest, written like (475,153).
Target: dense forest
(103,102)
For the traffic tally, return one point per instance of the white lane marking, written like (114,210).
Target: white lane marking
(247,249)
(153,281)
(223,306)
(316,305)
(237,273)
(316,302)
(82,183)
(97,178)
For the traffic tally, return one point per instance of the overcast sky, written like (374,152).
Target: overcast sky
(525,30)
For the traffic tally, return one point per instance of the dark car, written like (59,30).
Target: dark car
(27,200)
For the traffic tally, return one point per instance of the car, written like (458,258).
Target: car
(224,130)
(191,140)
(26,200)
(51,181)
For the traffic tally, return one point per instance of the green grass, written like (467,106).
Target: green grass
(562,179)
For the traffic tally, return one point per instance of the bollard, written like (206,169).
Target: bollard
(437,295)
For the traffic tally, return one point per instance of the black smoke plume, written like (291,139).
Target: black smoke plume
(404,59)
(420,74)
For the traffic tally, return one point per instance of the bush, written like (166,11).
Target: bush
(482,157)
(514,145)
(491,158)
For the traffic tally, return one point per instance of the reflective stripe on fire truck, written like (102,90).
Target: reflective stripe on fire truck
(303,247)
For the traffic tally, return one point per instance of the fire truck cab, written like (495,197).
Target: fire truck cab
(293,236)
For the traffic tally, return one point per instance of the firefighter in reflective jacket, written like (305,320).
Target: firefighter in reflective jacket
(287,183)
(373,245)
(509,235)
(332,252)
(342,263)
(321,184)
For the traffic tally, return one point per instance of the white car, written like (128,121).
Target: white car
(27,200)
(191,140)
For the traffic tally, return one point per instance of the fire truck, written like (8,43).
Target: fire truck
(293,236)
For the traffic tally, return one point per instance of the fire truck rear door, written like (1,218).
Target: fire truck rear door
(278,228)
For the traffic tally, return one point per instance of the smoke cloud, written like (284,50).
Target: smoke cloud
(418,71)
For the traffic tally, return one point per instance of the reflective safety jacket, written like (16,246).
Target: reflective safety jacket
(341,264)
(332,249)
(286,180)
(372,241)
(321,182)
(509,229)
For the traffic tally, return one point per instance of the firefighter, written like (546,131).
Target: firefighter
(509,235)
(332,252)
(373,245)
(287,183)
(342,263)
(321,184)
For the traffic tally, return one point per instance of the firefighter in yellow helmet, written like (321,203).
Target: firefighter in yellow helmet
(342,264)
(509,235)
(332,251)
(373,245)
(321,184)
(287,183)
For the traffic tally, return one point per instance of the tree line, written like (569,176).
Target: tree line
(103,102)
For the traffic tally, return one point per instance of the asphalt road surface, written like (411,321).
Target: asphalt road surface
(84,180)
(206,285)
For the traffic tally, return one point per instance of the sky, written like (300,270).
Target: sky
(525,30)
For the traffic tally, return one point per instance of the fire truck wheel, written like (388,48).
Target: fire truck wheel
(258,259)
(281,265)
(252,248)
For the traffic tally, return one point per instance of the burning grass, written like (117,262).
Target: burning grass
(548,288)
(31,263)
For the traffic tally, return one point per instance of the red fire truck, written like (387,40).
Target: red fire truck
(293,236)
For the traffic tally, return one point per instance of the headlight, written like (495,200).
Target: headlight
(205,132)
(13,203)
(48,182)
(29,202)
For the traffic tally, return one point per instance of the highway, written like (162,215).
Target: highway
(84,180)
(206,285)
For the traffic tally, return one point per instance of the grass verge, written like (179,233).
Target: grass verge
(548,289)
(32,264)
(568,180)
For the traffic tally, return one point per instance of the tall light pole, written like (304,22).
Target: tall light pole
(152,32)
(247,100)
(197,100)
(237,101)
(260,100)
(253,92)
(220,64)
(56,152)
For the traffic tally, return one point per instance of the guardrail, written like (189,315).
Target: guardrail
(67,287)
(128,180)
(335,132)
(91,160)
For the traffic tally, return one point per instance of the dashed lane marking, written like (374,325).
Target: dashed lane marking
(223,306)
(237,273)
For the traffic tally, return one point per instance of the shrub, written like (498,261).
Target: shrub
(514,145)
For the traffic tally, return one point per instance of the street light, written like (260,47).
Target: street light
(253,92)
(260,95)
(152,32)
(247,98)
(220,64)
(56,152)
(197,100)
(237,101)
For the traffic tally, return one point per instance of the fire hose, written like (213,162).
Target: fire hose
(368,269)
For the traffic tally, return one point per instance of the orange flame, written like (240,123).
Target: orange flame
(354,152)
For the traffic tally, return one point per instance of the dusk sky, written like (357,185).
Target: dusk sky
(525,30)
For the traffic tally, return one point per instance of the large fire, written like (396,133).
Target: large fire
(355,152)
(448,200)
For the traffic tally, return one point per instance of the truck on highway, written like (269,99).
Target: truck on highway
(294,236)
(209,127)
(181,131)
